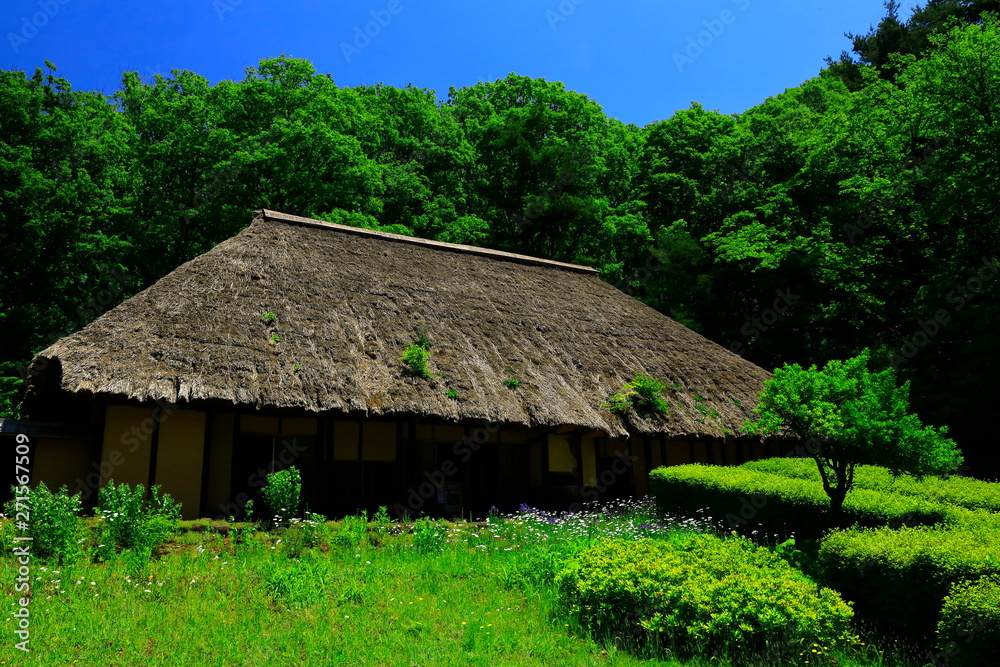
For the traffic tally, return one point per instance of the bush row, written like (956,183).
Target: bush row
(700,592)
(969,629)
(962,491)
(742,497)
(901,577)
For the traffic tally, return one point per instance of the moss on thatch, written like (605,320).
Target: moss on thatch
(347,302)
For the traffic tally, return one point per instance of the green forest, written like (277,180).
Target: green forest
(856,210)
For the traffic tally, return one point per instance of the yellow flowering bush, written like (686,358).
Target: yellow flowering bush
(701,591)
(969,629)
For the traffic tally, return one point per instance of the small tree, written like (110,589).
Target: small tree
(852,416)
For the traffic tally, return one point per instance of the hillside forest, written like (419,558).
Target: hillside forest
(856,210)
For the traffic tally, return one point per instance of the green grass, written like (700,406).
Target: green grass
(473,594)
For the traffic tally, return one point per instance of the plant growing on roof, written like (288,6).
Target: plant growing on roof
(643,393)
(269,317)
(511,381)
(452,394)
(416,355)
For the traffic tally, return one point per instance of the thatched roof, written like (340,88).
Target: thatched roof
(349,301)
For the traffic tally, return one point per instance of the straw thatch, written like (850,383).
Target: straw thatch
(349,301)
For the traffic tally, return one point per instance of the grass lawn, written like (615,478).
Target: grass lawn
(467,594)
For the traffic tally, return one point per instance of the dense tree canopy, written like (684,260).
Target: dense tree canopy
(855,210)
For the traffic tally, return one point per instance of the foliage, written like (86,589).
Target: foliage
(702,591)
(282,492)
(352,532)
(269,317)
(852,416)
(969,629)
(415,357)
(961,491)
(745,499)
(452,394)
(129,520)
(880,568)
(512,383)
(303,534)
(642,393)
(428,535)
(53,521)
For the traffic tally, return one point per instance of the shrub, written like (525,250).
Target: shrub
(742,497)
(283,492)
(428,535)
(969,629)
(53,521)
(415,357)
(961,491)
(701,592)
(901,577)
(642,393)
(128,521)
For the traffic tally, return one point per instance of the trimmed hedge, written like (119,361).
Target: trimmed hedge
(962,491)
(901,577)
(701,592)
(743,497)
(969,629)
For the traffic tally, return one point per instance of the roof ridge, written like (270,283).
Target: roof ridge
(440,245)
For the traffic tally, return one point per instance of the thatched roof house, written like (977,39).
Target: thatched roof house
(287,339)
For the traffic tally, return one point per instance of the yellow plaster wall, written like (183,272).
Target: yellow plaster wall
(59,461)
(561,457)
(514,437)
(345,441)
(259,424)
(449,433)
(180,452)
(379,441)
(127,441)
(299,426)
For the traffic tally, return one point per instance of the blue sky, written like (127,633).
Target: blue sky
(639,59)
